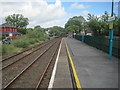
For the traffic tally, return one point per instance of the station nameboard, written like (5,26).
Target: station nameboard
(111,19)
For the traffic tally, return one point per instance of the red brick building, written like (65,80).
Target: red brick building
(7,30)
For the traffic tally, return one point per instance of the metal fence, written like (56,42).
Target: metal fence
(102,43)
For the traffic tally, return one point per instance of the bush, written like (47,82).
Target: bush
(36,34)
(32,41)
(2,37)
(22,30)
(6,49)
(0,49)
(21,43)
(32,37)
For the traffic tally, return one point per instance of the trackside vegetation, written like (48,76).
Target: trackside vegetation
(32,38)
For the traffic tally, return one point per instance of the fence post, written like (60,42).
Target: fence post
(82,38)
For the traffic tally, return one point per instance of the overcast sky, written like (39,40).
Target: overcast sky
(48,13)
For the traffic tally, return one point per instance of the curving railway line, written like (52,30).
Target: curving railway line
(28,69)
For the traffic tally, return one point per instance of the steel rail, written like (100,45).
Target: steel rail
(25,55)
(44,72)
(13,80)
(4,59)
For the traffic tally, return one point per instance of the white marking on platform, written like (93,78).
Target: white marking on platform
(54,69)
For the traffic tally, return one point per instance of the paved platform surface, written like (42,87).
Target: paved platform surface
(93,67)
(62,77)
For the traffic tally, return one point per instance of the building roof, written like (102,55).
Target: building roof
(6,25)
(3,33)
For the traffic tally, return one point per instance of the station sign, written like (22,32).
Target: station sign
(111,25)
(111,19)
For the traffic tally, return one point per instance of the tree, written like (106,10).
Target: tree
(56,31)
(73,28)
(37,27)
(17,20)
(22,30)
(94,26)
(75,24)
(116,26)
(98,25)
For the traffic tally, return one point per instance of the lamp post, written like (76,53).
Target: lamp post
(111,35)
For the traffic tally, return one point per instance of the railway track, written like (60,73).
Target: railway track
(19,53)
(29,71)
(12,59)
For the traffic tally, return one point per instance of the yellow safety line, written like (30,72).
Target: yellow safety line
(73,68)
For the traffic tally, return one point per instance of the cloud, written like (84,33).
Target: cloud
(39,13)
(84,13)
(78,6)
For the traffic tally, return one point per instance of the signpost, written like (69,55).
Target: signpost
(110,20)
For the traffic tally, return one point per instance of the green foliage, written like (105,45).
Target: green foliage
(4,49)
(38,26)
(17,20)
(100,26)
(75,24)
(117,27)
(22,30)
(26,42)
(72,22)
(94,26)
(36,34)
(0,49)
(21,43)
(32,41)
(56,31)
(91,17)
(73,28)
(7,49)
(2,37)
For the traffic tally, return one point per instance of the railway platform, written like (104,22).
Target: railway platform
(93,67)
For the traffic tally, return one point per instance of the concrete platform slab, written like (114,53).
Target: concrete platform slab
(93,67)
